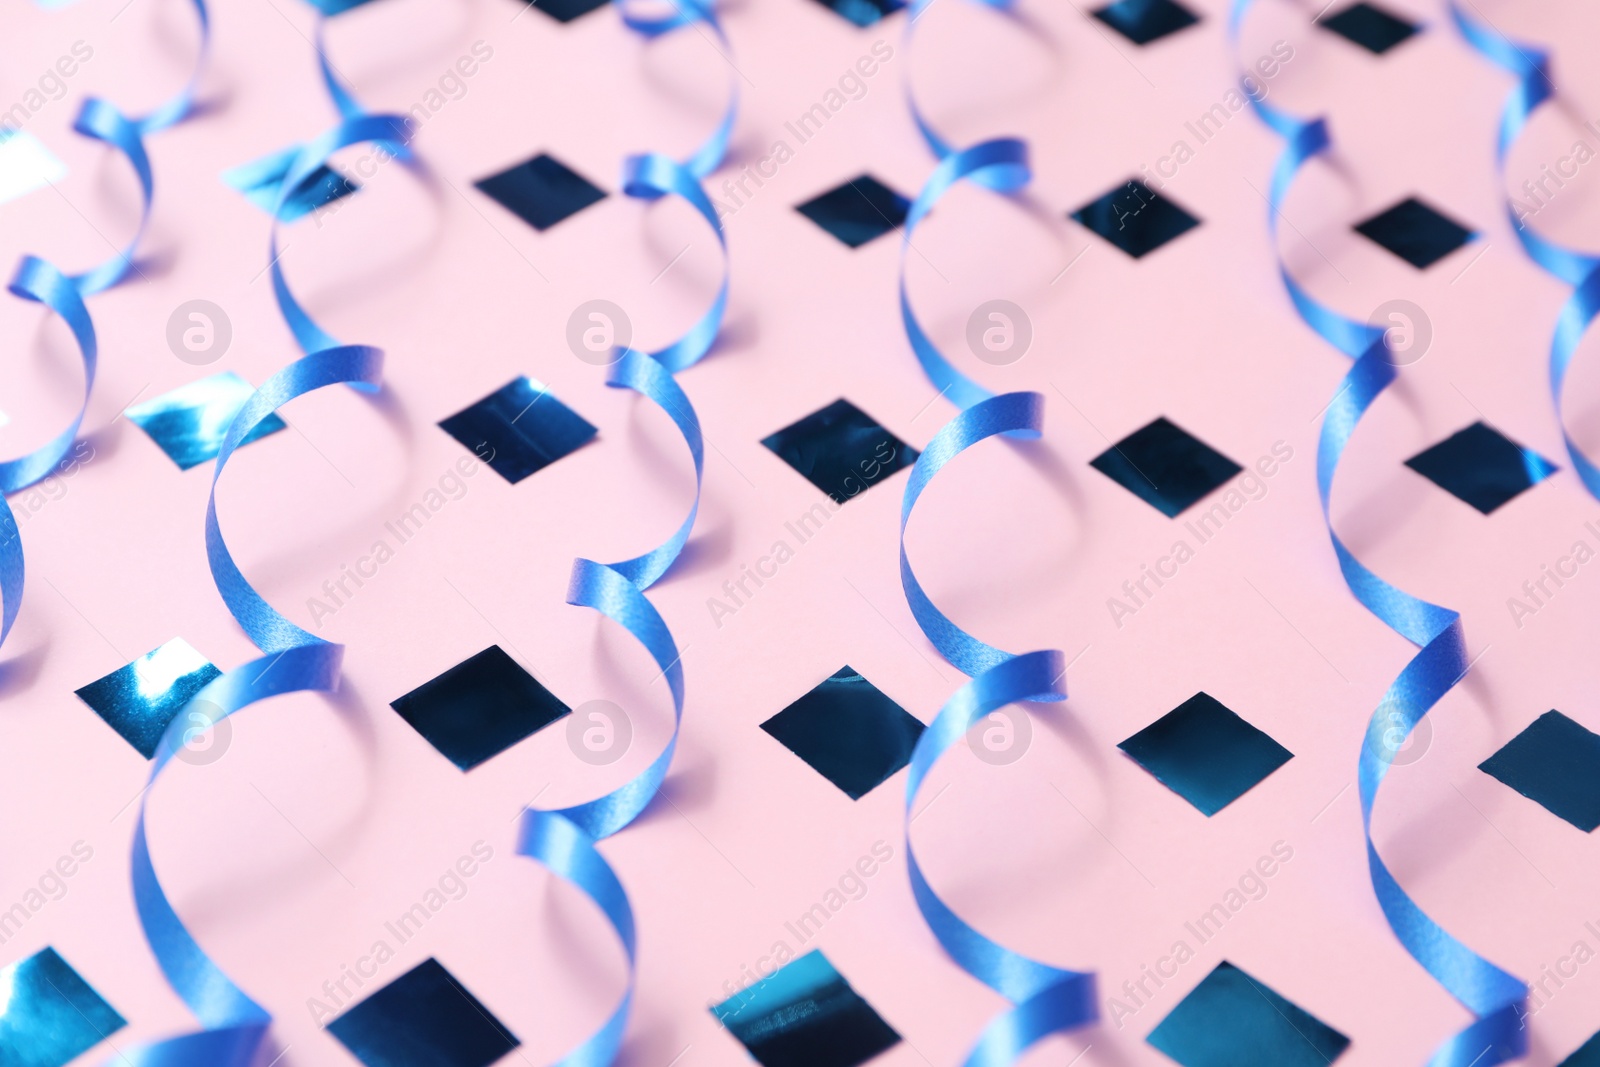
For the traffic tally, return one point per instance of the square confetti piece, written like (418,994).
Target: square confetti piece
(1415,232)
(565,10)
(1165,466)
(1370,26)
(424,1018)
(189,423)
(841,450)
(1232,1020)
(141,699)
(1135,218)
(848,731)
(541,191)
(48,1014)
(519,429)
(863,12)
(1205,753)
(260,180)
(1143,21)
(1481,466)
(479,708)
(1555,763)
(805,1015)
(858,211)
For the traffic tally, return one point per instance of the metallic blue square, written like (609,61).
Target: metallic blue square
(1587,1054)
(1165,466)
(48,1014)
(190,422)
(541,191)
(1371,27)
(1481,466)
(1135,218)
(1232,1020)
(1205,753)
(259,180)
(857,211)
(1415,232)
(805,1015)
(424,1018)
(330,8)
(841,450)
(566,10)
(863,12)
(1143,21)
(139,700)
(1555,763)
(479,708)
(848,731)
(516,440)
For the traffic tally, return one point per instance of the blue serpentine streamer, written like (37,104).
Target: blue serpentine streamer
(565,840)
(39,281)
(1496,999)
(292,660)
(1581,270)
(1045,999)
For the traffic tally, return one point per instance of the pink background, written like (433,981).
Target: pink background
(327,817)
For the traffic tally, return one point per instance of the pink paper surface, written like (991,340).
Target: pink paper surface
(328,817)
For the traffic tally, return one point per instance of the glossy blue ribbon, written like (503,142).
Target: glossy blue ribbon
(565,840)
(63,294)
(1045,999)
(1496,999)
(1581,270)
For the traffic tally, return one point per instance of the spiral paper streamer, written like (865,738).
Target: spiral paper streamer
(1496,999)
(1045,999)
(1581,270)
(565,840)
(40,281)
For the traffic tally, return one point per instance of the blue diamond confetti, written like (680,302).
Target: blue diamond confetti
(1232,1020)
(1370,26)
(1135,218)
(565,10)
(424,1018)
(805,1015)
(1481,466)
(189,423)
(140,700)
(1587,1054)
(848,731)
(541,191)
(519,429)
(1205,753)
(48,1014)
(330,8)
(1555,763)
(1165,466)
(260,180)
(1415,232)
(841,450)
(857,211)
(1143,21)
(862,12)
(479,708)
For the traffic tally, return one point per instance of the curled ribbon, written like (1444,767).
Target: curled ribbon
(292,661)
(1581,270)
(565,840)
(1496,999)
(41,282)
(1045,999)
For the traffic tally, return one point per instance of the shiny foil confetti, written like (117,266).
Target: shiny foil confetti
(479,708)
(841,450)
(805,1015)
(1165,466)
(1205,753)
(519,429)
(1415,232)
(1135,218)
(48,1014)
(858,211)
(1143,21)
(1555,763)
(424,1018)
(1232,1020)
(543,191)
(189,423)
(141,699)
(848,731)
(260,182)
(1481,466)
